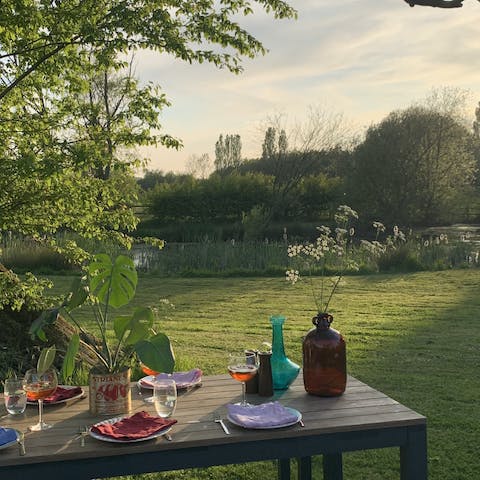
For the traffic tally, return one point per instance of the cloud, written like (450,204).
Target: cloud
(365,57)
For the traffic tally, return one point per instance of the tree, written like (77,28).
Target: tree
(199,165)
(271,146)
(58,170)
(66,154)
(48,38)
(295,155)
(228,152)
(413,166)
(114,116)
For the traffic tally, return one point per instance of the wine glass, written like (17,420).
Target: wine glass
(38,386)
(165,397)
(243,367)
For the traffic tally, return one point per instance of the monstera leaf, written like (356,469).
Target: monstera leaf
(132,329)
(113,283)
(156,353)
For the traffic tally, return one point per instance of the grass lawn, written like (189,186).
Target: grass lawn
(415,337)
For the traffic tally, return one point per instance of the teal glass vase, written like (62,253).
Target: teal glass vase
(284,371)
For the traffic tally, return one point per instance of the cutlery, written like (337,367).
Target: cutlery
(83,431)
(301,423)
(221,422)
(21,443)
(168,437)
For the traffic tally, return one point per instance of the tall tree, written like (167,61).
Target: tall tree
(412,167)
(228,152)
(271,146)
(294,155)
(52,177)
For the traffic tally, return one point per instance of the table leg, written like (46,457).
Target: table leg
(304,468)
(413,455)
(283,469)
(332,467)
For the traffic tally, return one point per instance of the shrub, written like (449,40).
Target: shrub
(402,259)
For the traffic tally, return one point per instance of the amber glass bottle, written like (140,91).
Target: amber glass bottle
(324,359)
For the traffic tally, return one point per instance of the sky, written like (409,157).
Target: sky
(360,58)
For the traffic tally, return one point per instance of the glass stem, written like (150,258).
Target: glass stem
(244,401)
(40,411)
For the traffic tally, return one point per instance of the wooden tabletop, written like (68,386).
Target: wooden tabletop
(361,407)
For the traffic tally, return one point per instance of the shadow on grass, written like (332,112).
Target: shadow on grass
(424,353)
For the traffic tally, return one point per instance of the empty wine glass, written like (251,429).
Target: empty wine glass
(165,397)
(243,367)
(38,386)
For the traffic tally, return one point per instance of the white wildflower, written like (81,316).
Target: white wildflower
(292,276)
(324,230)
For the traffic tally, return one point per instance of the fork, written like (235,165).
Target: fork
(218,419)
(21,443)
(83,431)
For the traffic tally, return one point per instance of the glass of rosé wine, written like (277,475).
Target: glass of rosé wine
(243,367)
(40,385)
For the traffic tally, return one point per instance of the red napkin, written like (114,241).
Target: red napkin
(140,425)
(62,393)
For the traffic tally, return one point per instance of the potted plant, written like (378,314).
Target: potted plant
(115,340)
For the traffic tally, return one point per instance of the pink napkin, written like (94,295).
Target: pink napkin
(140,425)
(271,414)
(182,379)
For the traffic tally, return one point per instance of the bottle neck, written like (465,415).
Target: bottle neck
(277,340)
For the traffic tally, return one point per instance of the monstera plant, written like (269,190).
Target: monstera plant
(113,340)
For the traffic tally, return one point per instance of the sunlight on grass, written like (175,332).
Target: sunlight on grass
(415,337)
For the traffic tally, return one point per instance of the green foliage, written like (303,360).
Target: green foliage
(45,359)
(220,199)
(214,199)
(50,39)
(228,153)
(66,114)
(254,224)
(413,167)
(110,285)
(25,293)
(401,259)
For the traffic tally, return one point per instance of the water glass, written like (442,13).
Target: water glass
(15,396)
(165,397)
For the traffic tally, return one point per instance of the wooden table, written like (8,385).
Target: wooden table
(362,418)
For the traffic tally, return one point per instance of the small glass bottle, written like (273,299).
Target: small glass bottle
(284,371)
(324,359)
(265,380)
